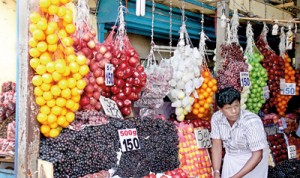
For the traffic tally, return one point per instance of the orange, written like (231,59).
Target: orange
(210,84)
(201,110)
(214,81)
(196,105)
(54,133)
(61,120)
(204,86)
(206,106)
(45,129)
(214,88)
(195,111)
(205,94)
(205,74)
(200,115)
(209,100)
(52,118)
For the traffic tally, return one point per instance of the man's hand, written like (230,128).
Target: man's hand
(217,175)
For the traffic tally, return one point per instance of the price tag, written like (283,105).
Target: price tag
(202,138)
(266,92)
(292,154)
(289,89)
(109,75)
(284,125)
(110,107)
(271,130)
(129,139)
(282,85)
(245,80)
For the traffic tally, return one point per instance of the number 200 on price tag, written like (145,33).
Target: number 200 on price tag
(129,140)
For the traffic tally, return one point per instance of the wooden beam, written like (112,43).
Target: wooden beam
(27,136)
(289,4)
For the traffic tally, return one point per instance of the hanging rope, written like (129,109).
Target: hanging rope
(250,41)
(234,27)
(170,43)
(282,42)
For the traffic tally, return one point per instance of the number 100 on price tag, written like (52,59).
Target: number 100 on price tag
(129,140)
(245,80)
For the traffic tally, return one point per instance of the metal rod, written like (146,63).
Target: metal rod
(268,20)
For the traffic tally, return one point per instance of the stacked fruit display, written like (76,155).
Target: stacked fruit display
(274,66)
(278,147)
(176,173)
(291,127)
(199,123)
(258,78)
(201,108)
(58,70)
(289,76)
(194,161)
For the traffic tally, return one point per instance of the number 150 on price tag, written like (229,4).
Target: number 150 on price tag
(245,80)
(109,75)
(129,139)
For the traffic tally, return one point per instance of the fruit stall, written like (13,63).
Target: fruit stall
(95,108)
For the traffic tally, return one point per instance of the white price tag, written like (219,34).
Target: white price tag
(245,80)
(109,75)
(110,107)
(282,85)
(292,154)
(202,138)
(266,92)
(129,139)
(289,89)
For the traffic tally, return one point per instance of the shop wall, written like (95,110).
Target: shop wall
(8,40)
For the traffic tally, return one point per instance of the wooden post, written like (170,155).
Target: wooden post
(28,135)
(297,45)
(221,34)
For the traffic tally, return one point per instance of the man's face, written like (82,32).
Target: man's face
(231,111)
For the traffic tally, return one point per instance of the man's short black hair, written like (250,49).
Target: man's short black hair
(227,96)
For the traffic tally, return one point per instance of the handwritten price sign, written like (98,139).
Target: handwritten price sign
(109,75)
(245,80)
(129,139)
(110,108)
(292,152)
(202,138)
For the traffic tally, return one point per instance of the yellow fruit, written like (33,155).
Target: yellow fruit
(74,67)
(55,90)
(81,84)
(67,41)
(81,60)
(50,30)
(41,69)
(66,93)
(34,17)
(55,2)
(54,133)
(77,76)
(67,72)
(70,104)
(45,58)
(64,111)
(66,124)
(70,28)
(42,46)
(50,67)
(63,84)
(51,103)
(40,101)
(47,96)
(38,34)
(59,128)
(53,125)
(70,116)
(69,50)
(62,33)
(32,28)
(71,58)
(52,39)
(60,67)
(34,52)
(42,24)
(52,48)
(38,91)
(45,109)
(71,83)
(52,118)
(75,108)
(75,92)
(61,102)
(56,110)
(41,117)
(64,1)
(32,42)
(61,11)
(37,80)
(68,18)
(53,25)
(76,98)
(47,78)
(61,120)
(34,62)
(56,76)
(83,70)
(52,10)
(45,3)
(45,129)
(45,86)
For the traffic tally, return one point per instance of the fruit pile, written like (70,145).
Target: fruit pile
(58,70)
(271,119)
(88,118)
(291,127)
(198,123)
(287,168)
(278,147)
(289,76)
(201,108)
(176,173)
(232,65)
(258,78)
(194,161)
(73,153)
(7,100)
